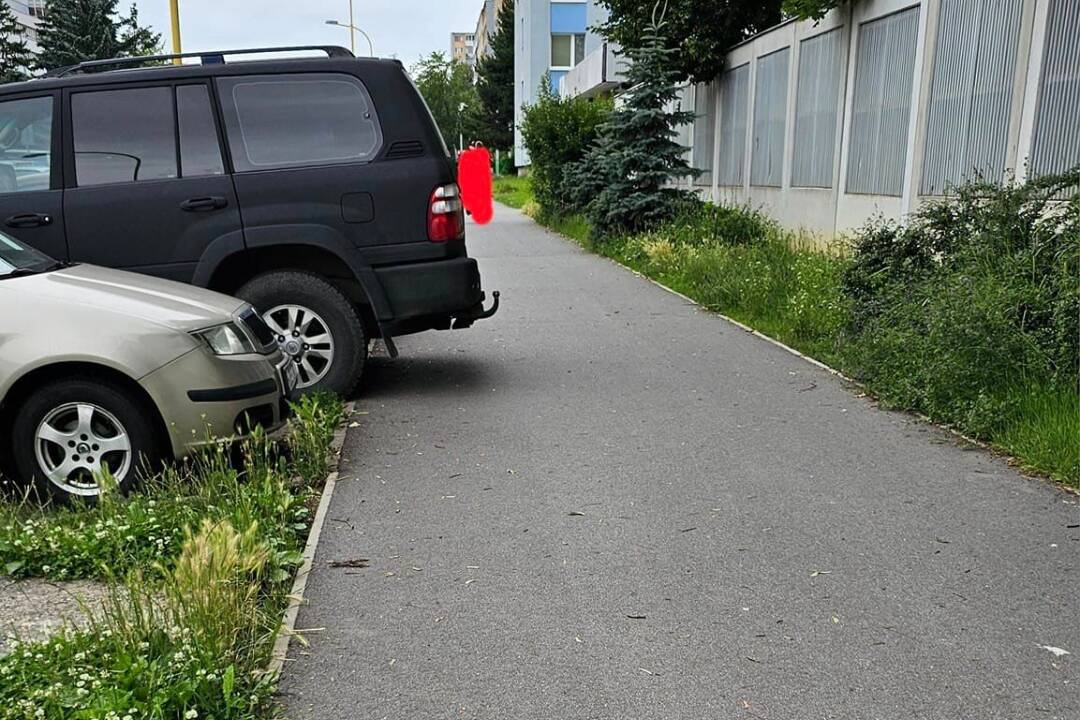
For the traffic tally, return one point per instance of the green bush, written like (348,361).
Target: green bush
(557,132)
(973,298)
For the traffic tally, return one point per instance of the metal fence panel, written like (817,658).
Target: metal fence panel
(734,90)
(971,92)
(1057,120)
(821,68)
(881,106)
(770,118)
(704,131)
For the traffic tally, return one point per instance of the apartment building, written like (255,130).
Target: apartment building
(551,36)
(28,13)
(487,24)
(463,48)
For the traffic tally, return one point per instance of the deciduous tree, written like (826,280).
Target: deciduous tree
(701,30)
(448,89)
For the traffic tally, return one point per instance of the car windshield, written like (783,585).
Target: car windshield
(18,259)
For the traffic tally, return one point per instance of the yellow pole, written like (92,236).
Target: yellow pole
(174,12)
(352,30)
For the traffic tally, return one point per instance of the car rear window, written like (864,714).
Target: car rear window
(276,121)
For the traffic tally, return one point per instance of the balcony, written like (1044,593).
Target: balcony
(600,71)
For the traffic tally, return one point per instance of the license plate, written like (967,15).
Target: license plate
(290,376)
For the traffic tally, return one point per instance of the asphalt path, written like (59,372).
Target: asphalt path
(607,503)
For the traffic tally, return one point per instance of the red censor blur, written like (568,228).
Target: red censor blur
(474,179)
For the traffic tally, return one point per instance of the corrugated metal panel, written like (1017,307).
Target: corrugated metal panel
(881,107)
(734,91)
(821,69)
(1057,120)
(704,131)
(685,132)
(971,92)
(770,118)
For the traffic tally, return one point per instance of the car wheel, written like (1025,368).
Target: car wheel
(70,431)
(315,325)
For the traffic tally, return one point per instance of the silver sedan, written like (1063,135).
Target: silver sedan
(107,371)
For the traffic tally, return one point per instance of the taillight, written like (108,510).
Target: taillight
(446,216)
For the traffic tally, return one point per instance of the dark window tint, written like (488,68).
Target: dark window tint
(199,150)
(25,144)
(287,120)
(123,135)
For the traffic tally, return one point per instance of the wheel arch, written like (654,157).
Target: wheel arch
(25,385)
(232,271)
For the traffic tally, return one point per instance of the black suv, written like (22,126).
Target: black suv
(317,188)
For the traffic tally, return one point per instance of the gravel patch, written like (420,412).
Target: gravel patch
(33,609)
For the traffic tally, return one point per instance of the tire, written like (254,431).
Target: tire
(60,433)
(293,300)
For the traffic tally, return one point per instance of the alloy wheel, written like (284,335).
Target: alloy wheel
(76,442)
(305,337)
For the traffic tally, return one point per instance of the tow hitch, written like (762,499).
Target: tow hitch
(478,313)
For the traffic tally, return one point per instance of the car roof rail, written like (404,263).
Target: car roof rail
(207,57)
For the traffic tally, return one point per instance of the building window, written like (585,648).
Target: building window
(1057,127)
(881,104)
(971,93)
(567,50)
(36,8)
(734,90)
(821,66)
(770,119)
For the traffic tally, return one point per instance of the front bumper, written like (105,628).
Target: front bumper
(206,398)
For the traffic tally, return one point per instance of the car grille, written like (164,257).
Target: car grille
(257,327)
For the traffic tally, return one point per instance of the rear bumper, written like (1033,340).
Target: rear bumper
(430,295)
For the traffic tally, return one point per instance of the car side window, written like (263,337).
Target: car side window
(26,144)
(277,121)
(123,136)
(200,153)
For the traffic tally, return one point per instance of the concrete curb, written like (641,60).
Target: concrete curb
(296,593)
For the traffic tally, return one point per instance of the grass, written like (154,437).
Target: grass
(199,564)
(512,190)
(949,346)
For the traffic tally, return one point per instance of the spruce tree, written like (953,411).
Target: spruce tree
(76,30)
(495,83)
(15,56)
(624,182)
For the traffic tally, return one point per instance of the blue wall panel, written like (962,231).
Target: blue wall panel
(568,17)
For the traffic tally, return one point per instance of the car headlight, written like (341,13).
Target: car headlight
(227,339)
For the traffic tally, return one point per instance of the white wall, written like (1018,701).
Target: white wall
(830,211)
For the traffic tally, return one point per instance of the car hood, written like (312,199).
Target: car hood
(162,302)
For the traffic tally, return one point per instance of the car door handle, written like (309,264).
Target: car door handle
(202,204)
(28,220)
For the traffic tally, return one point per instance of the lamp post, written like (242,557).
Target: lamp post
(352,43)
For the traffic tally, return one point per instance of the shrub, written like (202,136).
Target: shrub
(557,131)
(973,298)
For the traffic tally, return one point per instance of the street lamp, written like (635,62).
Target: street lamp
(352,41)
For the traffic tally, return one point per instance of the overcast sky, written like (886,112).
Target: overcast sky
(405,29)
